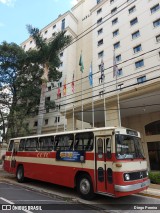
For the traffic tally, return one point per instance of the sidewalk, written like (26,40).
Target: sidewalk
(152,191)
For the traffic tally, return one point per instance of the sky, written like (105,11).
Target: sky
(16,14)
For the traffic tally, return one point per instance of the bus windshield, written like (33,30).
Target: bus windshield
(128,146)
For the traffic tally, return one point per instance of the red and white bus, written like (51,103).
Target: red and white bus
(108,161)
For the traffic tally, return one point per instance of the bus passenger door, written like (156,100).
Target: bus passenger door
(103,164)
(13,148)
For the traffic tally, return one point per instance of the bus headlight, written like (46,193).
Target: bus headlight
(127,177)
(147,172)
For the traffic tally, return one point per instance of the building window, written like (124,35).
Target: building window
(158,38)
(100,31)
(61,64)
(111,1)
(46,121)
(113,10)
(36,123)
(116,45)
(99,11)
(114,21)
(99,21)
(101,94)
(46,32)
(115,33)
(133,21)
(49,88)
(139,64)
(120,72)
(120,86)
(137,49)
(30,42)
(98,1)
(48,98)
(100,42)
(58,106)
(135,34)
(53,34)
(61,54)
(100,54)
(156,23)
(154,153)
(141,79)
(155,8)
(132,9)
(57,119)
(118,58)
(153,128)
(54,26)
(63,24)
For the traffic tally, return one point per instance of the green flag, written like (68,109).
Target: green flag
(81,63)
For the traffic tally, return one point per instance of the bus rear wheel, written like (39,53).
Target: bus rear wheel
(20,174)
(85,187)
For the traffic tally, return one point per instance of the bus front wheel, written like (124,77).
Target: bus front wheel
(20,174)
(85,187)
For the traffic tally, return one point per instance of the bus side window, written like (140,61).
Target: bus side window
(22,145)
(46,143)
(89,146)
(100,146)
(108,147)
(31,144)
(84,141)
(11,144)
(64,142)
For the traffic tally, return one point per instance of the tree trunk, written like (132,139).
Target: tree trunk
(42,100)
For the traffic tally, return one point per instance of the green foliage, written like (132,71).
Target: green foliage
(22,79)
(48,52)
(154,177)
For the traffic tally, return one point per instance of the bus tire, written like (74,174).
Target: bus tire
(85,187)
(20,174)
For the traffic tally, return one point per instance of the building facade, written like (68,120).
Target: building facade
(120,40)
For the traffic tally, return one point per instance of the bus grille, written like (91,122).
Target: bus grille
(135,175)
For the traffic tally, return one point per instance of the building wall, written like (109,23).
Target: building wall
(138,42)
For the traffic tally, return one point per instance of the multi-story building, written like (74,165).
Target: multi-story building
(121,39)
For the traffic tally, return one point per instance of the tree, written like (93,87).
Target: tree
(47,55)
(20,82)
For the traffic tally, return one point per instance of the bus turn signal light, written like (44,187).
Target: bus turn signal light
(118,165)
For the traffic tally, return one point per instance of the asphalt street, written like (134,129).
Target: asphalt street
(53,198)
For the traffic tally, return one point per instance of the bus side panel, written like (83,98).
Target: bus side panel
(44,167)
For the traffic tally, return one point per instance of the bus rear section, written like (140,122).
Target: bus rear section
(106,161)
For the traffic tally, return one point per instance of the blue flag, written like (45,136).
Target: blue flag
(90,75)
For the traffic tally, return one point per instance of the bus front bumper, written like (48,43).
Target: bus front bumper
(128,188)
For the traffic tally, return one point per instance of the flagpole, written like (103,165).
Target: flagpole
(115,73)
(91,83)
(65,115)
(104,100)
(92,108)
(72,85)
(118,103)
(82,100)
(81,69)
(73,116)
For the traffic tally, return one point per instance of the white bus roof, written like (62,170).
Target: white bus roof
(117,129)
